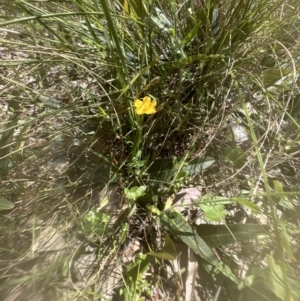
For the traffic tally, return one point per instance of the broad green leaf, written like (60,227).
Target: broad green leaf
(197,165)
(273,75)
(164,169)
(5,204)
(178,226)
(168,252)
(168,203)
(213,213)
(135,192)
(254,208)
(220,235)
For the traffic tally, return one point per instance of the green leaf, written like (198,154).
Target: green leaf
(220,235)
(248,204)
(248,281)
(123,233)
(178,226)
(285,240)
(168,252)
(190,36)
(5,204)
(138,267)
(104,202)
(272,75)
(135,8)
(154,209)
(213,213)
(235,155)
(95,222)
(284,201)
(135,192)
(214,199)
(162,169)
(276,279)
(168,203)
(197,165)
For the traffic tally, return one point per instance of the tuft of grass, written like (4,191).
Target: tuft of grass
(96,199)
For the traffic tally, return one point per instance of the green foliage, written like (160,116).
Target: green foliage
(248,204)
(177,225)
(96,222)
(274,280)
(69,76)
(221,235)
(135,285)
(135,192)
(168,252)
(6,204)
(235,155)
(167,169)
(213,213)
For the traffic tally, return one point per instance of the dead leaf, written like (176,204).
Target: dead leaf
(187,197)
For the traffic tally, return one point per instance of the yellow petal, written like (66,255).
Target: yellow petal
(146,106)
(139,111)
(150,110)
(147,100)
(138,103)
(149,105)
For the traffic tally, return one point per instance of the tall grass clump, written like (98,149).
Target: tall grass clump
(149,150)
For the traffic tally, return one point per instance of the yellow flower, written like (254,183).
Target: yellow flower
(145,106)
